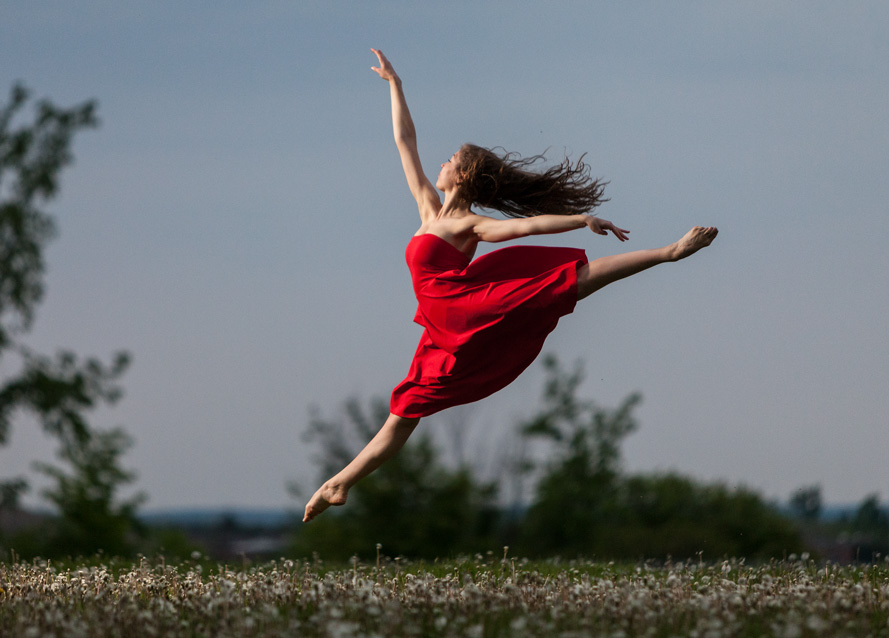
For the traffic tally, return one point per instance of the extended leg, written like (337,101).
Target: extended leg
(383,446)
(605,270)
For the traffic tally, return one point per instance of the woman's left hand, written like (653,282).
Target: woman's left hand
(602,226)
(385,69)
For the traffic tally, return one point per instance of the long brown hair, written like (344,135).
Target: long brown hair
(505,183)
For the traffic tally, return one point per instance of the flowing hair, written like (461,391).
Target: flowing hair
(505,183)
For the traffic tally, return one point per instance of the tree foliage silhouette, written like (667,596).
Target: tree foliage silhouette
(586,506)
(59,390)
(806,503)
(575,493)
(91,519)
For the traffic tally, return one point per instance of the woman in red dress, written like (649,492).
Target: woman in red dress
(486,319)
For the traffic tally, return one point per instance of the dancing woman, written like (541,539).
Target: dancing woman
(486,319)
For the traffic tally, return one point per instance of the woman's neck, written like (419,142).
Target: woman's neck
(453,206)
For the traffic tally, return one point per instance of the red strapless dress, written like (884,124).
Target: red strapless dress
(485,320)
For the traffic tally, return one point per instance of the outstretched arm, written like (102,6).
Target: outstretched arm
(424,192)
(496,230)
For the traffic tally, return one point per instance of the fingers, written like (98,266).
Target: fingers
(605,225)
(379,54)
(382,58)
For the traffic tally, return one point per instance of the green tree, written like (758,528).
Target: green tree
(673,515)
(584,504)
(413,505)
(90,517)
(59,390)
(575,495)
(10,493)
(32,156)
(869,529)
(806,503)
(870,518)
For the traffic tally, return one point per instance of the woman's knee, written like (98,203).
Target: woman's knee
(587,284)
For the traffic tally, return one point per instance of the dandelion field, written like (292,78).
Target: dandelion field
(480,597)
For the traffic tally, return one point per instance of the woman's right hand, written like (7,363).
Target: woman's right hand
(385,69)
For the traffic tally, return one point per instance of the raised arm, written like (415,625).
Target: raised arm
(428,201)
(496,230)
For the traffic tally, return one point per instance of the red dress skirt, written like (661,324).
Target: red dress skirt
(485,320)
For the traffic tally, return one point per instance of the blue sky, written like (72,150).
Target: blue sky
(238,223)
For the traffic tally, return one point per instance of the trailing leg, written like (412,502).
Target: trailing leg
(391,438)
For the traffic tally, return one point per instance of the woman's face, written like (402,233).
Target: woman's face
(447,178)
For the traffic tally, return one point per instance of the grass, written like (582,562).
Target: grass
(480,597)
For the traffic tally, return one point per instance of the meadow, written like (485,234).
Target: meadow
(480,597)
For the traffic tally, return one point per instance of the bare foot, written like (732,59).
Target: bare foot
(695,239)
(326,496)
